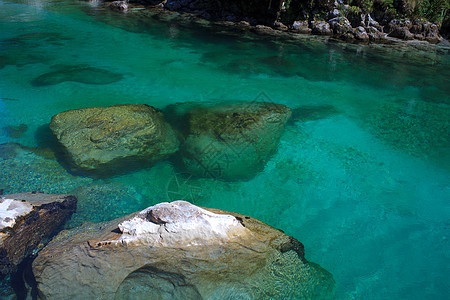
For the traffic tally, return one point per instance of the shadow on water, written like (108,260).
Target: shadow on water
(26,49)
(310,113)
(77,73)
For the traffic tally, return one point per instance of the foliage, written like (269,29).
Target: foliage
(432,10)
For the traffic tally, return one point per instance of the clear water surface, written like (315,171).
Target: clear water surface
(361,176)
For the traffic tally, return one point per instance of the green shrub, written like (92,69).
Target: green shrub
(432,10)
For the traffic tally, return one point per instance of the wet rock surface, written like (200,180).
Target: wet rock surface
(178,251)
(102,138)
(234,141)
(26,221)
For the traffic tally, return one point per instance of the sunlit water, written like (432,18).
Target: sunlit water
(361,176)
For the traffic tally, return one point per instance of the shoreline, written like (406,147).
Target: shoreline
(332,30)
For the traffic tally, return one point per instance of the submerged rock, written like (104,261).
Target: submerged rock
(103,137)
(233,142)
(26,220)
(15,131)
(321,28)
(301,27)
(178,251)
(87,75)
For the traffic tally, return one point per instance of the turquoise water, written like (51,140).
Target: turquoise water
(362,173)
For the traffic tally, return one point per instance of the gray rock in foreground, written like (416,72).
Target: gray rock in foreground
(178,251)
(99,137)
(26,221)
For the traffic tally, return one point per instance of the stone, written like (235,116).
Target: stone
(280,26)
(360,34)
(425,31)
(104,137)
(119,5)
(234,141)
(178,251)
(321,28)
(334,13)
(374,34)
(431,32)
(370,22)
(263,29)
(301,27)
(340,25)
(399,29)
(27,220)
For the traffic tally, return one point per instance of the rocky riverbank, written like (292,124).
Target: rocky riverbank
(376,21)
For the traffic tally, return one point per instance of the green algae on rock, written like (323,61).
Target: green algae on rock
(233,141)
(181,251)
(88,75)
(100,138)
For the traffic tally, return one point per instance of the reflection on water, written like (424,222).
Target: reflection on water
(361,172)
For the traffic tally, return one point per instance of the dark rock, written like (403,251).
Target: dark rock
(370,22)
(301,27)
(334,14)
(263,29)
(280,26)
(399,29)
(321,28)
(357,19)
(119,5)
(99,137)
(431,32)
(340,26)
(26,221)
(178,251)
(360,34)
(232,142)
(445,28)
(374,34)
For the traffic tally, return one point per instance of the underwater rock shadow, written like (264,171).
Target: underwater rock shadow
(80,73)
(14,131)
(312,112)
